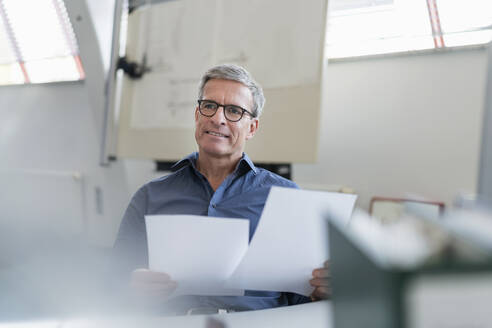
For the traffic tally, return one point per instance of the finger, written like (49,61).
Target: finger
(321,293)
(170,286)
(153,284)
(153,292)
(321,273)
(146,274)
(319,282)
(150,276)
(153,295)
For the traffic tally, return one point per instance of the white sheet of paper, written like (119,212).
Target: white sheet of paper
(291,240)
(198,252)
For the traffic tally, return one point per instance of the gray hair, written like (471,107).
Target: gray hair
(239,74)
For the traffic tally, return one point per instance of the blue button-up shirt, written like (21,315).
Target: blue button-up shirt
(241,195)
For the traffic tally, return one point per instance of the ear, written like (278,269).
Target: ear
(253,127)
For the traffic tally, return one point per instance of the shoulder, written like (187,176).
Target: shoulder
(165,182)
(181,176)
(264,177)
(268,178)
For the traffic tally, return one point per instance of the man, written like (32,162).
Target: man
(221,181)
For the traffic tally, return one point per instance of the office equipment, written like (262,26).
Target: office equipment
(418,273)
(389,209)
(180,40)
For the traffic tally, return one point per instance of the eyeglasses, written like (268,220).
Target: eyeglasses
(232,113)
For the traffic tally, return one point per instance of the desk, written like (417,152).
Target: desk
(317,314)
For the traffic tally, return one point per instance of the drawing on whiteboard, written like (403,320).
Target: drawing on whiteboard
(177,45)
(163,102)
(182,39)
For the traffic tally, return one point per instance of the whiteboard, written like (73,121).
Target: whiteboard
(280,42)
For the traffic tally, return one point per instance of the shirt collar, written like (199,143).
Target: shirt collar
(191,159)
(188,160)
(247,161)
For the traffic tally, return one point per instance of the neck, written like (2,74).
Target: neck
(216,169)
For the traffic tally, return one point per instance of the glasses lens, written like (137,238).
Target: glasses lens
(233,113)
(208,108)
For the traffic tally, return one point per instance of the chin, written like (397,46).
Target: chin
(214,151)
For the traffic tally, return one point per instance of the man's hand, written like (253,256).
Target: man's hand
(151,285)
(321,283)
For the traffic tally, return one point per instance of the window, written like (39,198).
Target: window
(366,27)
(465,22)
(37,43)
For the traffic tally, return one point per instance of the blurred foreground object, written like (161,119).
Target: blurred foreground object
(389,209)
(316,315)
(414,272)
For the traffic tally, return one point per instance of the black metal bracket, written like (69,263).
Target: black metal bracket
(133,69)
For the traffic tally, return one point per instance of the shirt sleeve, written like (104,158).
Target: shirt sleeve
(294,298)
(130,248)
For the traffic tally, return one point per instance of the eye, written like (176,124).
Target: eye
(209,105)
(234,110)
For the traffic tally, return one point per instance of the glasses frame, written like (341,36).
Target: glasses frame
(223,108)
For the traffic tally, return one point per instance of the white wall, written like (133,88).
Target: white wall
(485,183)
(57,128)
(401,124)
(49,128)
(102,13)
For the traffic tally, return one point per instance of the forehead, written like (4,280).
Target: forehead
(228,92)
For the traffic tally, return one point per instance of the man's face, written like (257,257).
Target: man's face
(216,136)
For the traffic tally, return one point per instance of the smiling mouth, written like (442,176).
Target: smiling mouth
(217,134)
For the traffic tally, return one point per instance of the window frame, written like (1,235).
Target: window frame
(19,60)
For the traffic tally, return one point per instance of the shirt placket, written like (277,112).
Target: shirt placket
(218,195)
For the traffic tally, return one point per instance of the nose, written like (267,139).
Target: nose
(219,116)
